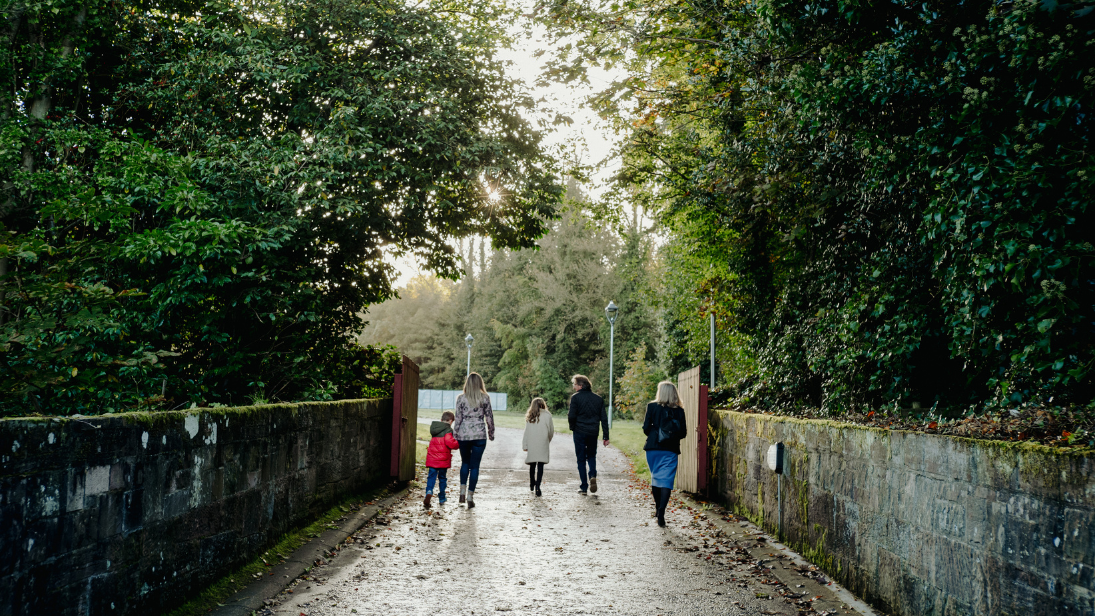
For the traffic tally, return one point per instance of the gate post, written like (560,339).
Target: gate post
(701,440)
(397,416)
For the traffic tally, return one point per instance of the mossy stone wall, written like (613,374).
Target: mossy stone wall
(920,524)
(135,513)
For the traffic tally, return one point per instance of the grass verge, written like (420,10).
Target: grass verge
(214,595)
(420,451)
(628,437)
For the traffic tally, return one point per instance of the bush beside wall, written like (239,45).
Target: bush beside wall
(920,524)
(135,513)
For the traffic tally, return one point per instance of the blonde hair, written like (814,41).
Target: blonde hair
(474,390)
(581,379)
(532,415)
(667,395)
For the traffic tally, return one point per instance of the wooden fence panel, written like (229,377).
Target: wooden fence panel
(688,467)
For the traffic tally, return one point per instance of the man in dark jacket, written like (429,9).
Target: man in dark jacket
(587,413)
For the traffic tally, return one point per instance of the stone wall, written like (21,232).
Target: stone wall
(920,524)
(136,513)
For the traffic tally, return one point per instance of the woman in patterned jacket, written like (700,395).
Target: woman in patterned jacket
(473,426)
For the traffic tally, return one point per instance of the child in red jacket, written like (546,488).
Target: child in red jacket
(439,456)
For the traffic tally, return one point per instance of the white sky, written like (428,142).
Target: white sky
(568,100)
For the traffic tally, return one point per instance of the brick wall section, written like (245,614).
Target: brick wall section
(136,513)
(920,524)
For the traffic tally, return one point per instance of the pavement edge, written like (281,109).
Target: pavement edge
(832,594)
(253,597)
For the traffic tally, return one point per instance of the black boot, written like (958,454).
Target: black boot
(656,494)
(663,502)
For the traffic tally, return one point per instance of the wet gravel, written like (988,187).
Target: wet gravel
(561,553)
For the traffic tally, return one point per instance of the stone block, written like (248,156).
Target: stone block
(73,494)
(176,504)
(44,495)
(888,579)
(181,479)
(119,475)
(950,518)
(217,548)
(108,515)
(977,516)
(77,531)
(132,511)
(41,541)
(96,482)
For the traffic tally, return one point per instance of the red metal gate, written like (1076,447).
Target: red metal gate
(404,421)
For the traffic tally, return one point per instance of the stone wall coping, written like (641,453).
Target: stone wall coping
(1022,446)
(158,416)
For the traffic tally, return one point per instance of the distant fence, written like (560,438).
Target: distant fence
(444,399)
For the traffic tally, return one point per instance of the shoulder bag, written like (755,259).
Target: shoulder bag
(669,427)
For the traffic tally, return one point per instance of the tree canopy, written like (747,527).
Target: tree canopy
(882,203)
(196,198)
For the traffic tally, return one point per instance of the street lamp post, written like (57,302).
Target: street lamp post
(610,311)
(467,342)
(712,375)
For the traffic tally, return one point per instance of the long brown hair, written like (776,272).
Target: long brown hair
(532,415)
(474,390)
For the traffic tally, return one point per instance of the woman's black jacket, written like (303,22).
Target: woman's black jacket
(654,414)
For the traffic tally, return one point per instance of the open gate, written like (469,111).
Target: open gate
(692,468)
(404,421)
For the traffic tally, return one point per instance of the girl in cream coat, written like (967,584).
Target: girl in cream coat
(539,429)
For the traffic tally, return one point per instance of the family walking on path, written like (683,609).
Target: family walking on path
(472,423)
(467,430)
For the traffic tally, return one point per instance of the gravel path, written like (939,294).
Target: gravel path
(562,553)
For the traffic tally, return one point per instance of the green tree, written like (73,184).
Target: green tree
(537,314)
(885,202)
(197,197)
(638,385)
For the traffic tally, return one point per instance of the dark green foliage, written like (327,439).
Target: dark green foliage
(883,202)
(197,197)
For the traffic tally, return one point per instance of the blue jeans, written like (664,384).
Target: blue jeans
(585,447)
(441,475)
(471,454)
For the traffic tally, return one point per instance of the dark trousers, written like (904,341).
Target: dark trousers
(441,477)
(471,453)
(535,473)
(585,448)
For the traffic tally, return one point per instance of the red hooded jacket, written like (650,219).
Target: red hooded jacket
(439,453)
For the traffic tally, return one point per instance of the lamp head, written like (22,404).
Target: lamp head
(468,340)
(610,311)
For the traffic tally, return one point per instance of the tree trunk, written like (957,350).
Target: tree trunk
(42,103)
